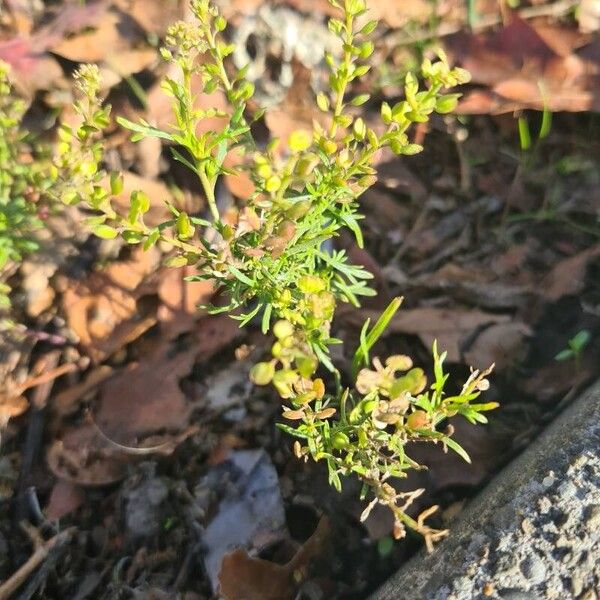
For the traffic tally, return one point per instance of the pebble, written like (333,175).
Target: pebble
(143,509)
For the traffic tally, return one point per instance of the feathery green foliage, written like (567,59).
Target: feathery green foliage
(274,264)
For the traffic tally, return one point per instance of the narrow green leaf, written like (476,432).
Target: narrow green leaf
(457,448)
(142,129)
(375,334)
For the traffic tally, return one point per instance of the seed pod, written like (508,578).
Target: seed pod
(299,141)
(340,440)
(418,420)
(306,365)
(319,388)
(185,229)
(262,373)
(273,183)
(283,329)
(297,449)
(298,210)
(329,146)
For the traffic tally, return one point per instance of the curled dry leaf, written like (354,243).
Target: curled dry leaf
(82,457)
(145,397)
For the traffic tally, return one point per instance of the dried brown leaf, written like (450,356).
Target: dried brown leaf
(103,310)
(245,578)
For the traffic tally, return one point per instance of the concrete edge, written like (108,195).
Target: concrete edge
(500,508)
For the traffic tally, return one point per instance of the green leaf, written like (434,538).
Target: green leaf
(240,276)
(580,340)
(144,129)
(183,160)
(353,225)
(457,448)
(565,354)
(104,231)
(151,239)
(374,334)
(266,318)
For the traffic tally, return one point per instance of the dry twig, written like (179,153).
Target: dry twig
(41,552)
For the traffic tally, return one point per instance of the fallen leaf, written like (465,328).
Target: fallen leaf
(502,344)
(31,69)
(82,457)
(568,276)
(180,300)
(103,310)
(64,499)
(145,397)
(250,514)
(245,578)
(11,407)
(559,377)
(449,326)
(524,65)
(67,401)
(154,16)
(94,42)
(141,409)
(117,66)
(447,470)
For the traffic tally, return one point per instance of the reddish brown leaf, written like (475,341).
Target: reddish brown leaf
(568,276)
(502,344)
(103,310)
(64,499)
(246,578)
(180,300)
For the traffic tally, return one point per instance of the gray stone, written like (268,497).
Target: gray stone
(144,508)
(541,520)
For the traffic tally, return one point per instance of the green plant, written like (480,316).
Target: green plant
(272,263)
(20,180)
(575,347)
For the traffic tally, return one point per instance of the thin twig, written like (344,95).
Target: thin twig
(18,578)
(46,377)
